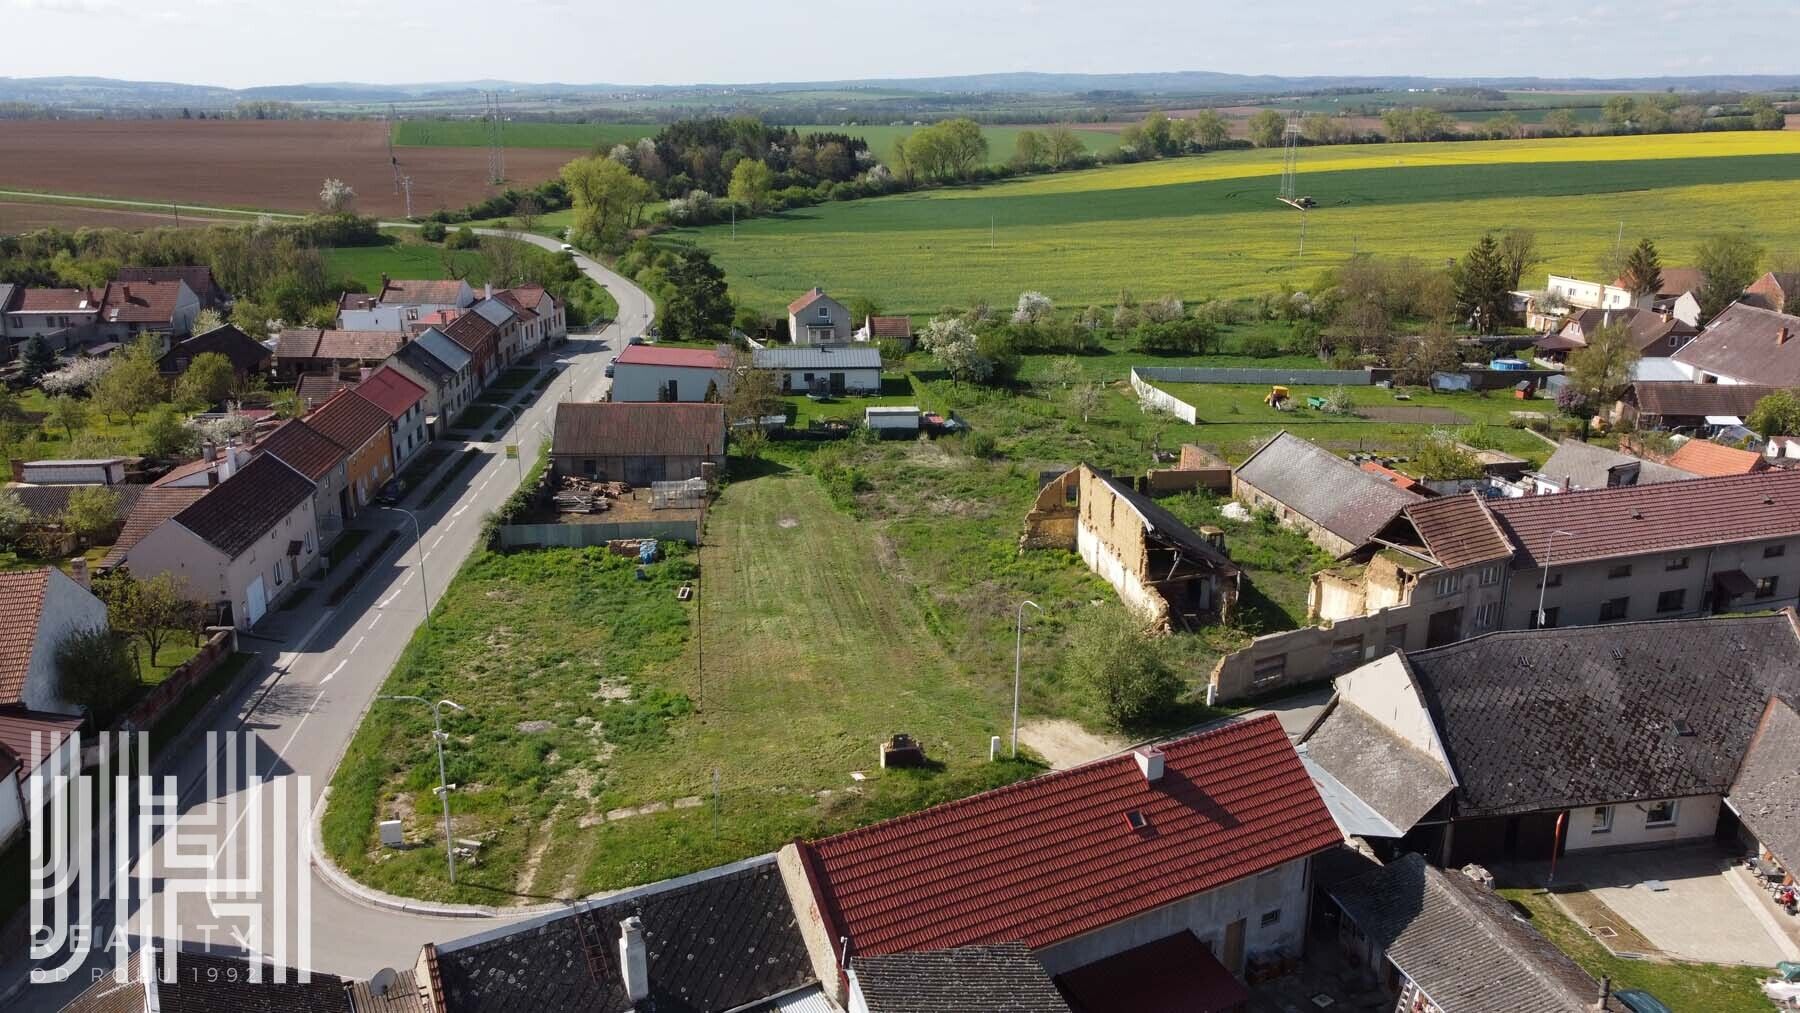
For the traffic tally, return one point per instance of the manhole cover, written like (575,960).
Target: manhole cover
(1605,931)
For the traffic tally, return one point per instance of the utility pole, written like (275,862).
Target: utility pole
(1018,646)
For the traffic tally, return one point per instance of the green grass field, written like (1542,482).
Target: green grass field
(1210,226)
(400,260)
(473,134)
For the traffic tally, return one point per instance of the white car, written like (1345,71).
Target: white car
(566,248)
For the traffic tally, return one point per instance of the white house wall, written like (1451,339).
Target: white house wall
(1694,817)
(1206,915)
(1384,690)
(68,608)
(1104,561)
(643,382)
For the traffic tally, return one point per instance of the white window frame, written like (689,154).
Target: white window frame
(1449,584)
(1602,820)
(1490,575)
(1487,614)
(1651,823)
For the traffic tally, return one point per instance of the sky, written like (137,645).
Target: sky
(238,43)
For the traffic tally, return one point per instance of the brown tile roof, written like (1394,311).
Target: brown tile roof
(21,606)
(390,390)
(238,511)
(890,327)
(154,506)
(140,302)
(303,448)
(1715,460)
(247,354)
(1458,532)
(1674,397)
(1632,520)
(348,420)
(1679,280)
(470,330)
(313,343)
(357,301)
(1744,342)
(813,295)
(187,470)
(55,300)
(18,724)
(404,292)
(526,311)
(639,429)
(314,389)
(199,278)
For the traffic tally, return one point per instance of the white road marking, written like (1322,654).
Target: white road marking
(353,647)
(375,620)
(339,668)
(385,602)
(436,541)
(408,579)
(459,510)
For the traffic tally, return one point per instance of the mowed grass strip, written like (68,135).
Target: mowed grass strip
(1209,226)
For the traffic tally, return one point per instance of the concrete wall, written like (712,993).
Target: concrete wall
(1207,374)
(1152,397)
(1585,587)
(639,382)
(68,608)
(581,535)
(1316,533)
(1168,481)
(1054,516)
(1694,817)
(1283,889)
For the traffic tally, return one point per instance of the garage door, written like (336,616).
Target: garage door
(258,603)
(644,470)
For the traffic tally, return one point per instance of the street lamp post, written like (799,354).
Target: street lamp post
(1018,646)
(514,412)
(419,544)
(1544,580)
(443,789)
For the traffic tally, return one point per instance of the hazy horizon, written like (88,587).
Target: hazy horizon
(226,42)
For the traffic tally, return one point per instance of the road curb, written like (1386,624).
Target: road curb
(341,883)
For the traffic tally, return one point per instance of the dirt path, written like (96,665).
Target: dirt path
(1064,744)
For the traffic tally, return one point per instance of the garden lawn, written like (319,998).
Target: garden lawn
(1208,226)
(1711,987)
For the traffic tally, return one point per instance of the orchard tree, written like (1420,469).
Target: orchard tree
(67,414)
(132,386)
(208,319)
(1642,274)
(207,380)
(336,196)
(953,344)
(1033,308)
(91,512)
(151,610)
(751,183)
(13,516)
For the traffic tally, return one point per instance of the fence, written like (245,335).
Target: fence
(169,692)
(1295,377)
(576,536)
(1155,398)
(688,495)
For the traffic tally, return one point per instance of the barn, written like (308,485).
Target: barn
(638,442)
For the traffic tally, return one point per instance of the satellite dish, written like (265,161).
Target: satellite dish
(383,980)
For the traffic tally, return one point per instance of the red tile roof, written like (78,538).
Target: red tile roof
(199,278)
(1391,476)
(55,300)
(17,726)
(1636,519)
(526,311)
(470,330)
(1457,531)
(21,606)
(890,327)
(421,293)
(812,296)
(1715,460)
(140,302)
(303,448)
(1054,857)
(390,390)
(348,420)
(156,505)
(658,355)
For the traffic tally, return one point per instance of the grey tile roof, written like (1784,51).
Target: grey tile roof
(1766,793)
(421,361)
(1744,342)
(817,358)
(1576,465)
(1169,527)
(442,348)
(997,978)
(1462,944)
(241,509)
(46,502)
(1396,780)
(1323,487)
(1565,718)
(717,940)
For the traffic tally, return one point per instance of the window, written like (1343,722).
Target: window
(1671,601)
(1271,917)
(1676,563)
(1553,580)
(1619,572)
(1614,609)
(1487,615)
(1490,575)
(1660,814)
(1269,669)
(1772,551)
(1765,588)
(1448,584)
(1602,820)
(824,313)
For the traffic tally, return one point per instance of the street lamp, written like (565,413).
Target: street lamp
(443,788)
(1544,580)
(419,544)
(1018,645)
(513,414)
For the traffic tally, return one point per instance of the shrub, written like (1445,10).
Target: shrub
(1262,345)
(94,670)
(980,445)
(433,232)
(1126,666)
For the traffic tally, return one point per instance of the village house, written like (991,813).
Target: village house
(1775,290)
(659,373)
(896,329)
(542,320)
(128,310)
(1688,406)
(509,327)
(197,277)
(32,744)
(1576,465)
(1677,296)
(214,465)
(323,463)
(365,432)
(241,546)
(817,319)
(1170,574)
(398,303)
(481,340)
(638,443)
(1187,863)
(154,505)
(1746,344)
(835,371)
(1523,744)
(1715,460)
(1336,504)
(404,402)
(1652,334)
(301,350)
(63,317)
(249,357)
(441,368)
(39,609)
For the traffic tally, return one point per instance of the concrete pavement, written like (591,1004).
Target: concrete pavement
(317,672)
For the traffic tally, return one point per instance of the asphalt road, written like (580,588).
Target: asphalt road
(317,671)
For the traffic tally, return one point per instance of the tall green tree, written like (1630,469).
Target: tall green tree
(94,670)
(92,510)
(1029,149)
(37,359)
(134,385)
(151,610)
(207,380)
(1776,414)
(1729,264)
(1601,369)
(608,200)
(1210,129)
(1266,127)
(1642,275)
(1519,251)
(1561,123)
(751,182)
(698,307)
(1482,286)
(1062,146)
(1126,665)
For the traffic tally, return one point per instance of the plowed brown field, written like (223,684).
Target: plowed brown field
(275,164)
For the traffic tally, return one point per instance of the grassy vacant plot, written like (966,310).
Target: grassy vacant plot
(474,134)
(401,259)
(1210,226)
(1711,987)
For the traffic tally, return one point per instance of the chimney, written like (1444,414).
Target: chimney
(487,290)
(78,572)
(1781,336)
(634,961)
(230,467)
(18,469)
(1605,991)
(1150,762)
(209,451)
(384,286)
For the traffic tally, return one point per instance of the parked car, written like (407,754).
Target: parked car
(1639,1001)
(391,492)
(609,370)
(566,248)
(636,341)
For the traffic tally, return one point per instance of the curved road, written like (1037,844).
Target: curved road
(318,671)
